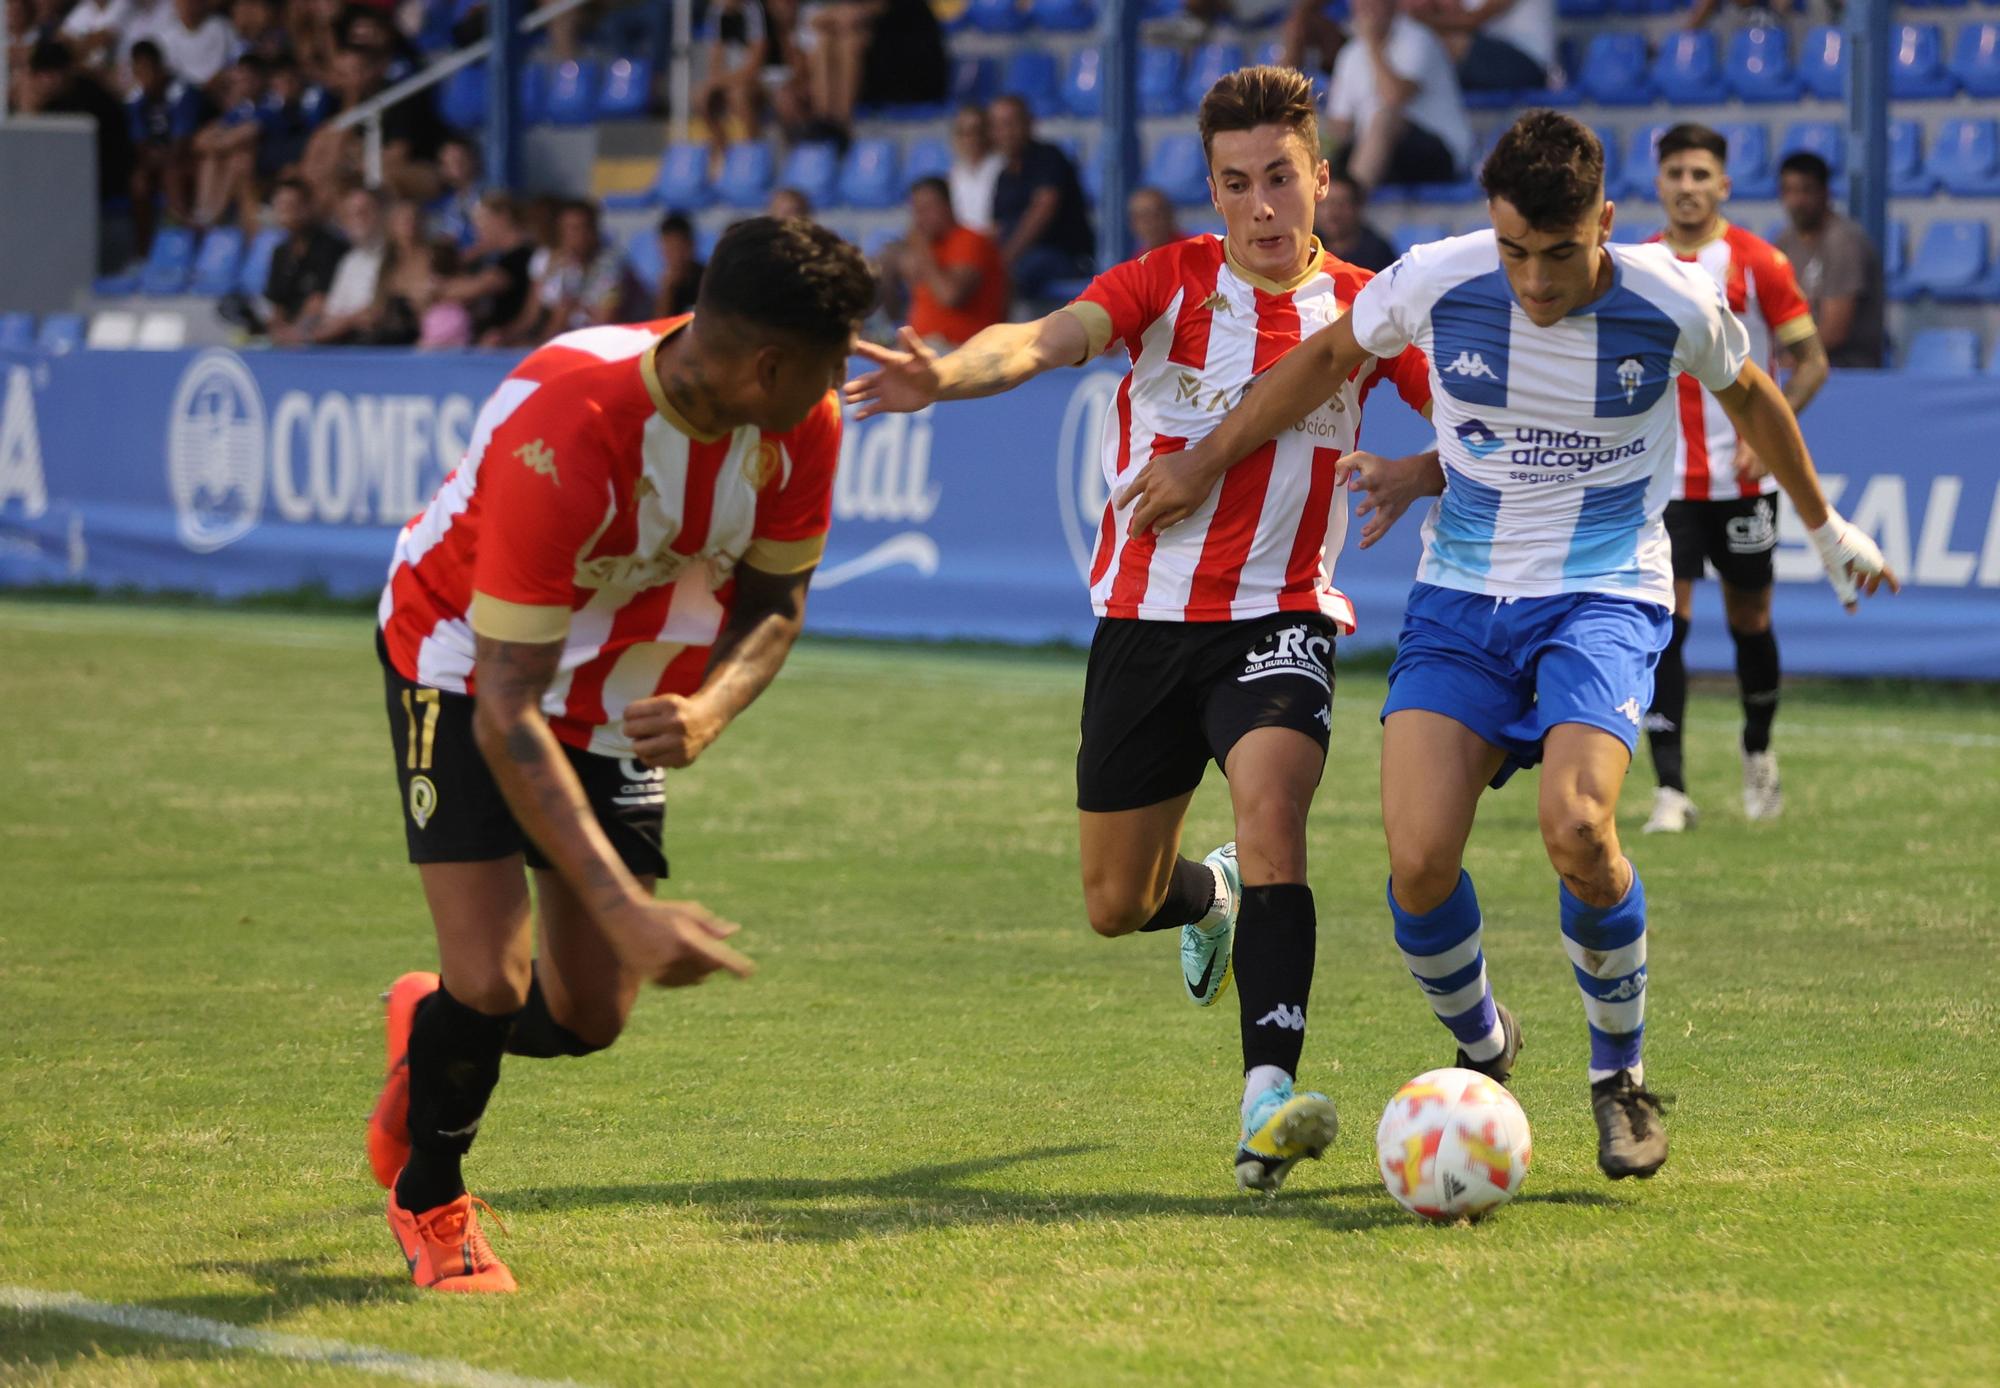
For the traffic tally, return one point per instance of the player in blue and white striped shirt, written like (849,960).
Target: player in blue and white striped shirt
(1543,599)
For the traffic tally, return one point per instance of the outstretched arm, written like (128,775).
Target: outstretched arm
(993,360)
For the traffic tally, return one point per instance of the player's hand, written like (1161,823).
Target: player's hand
(1749,467)
(1852,560)
(671,730)
(903,381)
(1167,491)
(1384,488)
(676,943)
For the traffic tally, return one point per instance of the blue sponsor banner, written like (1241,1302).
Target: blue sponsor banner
(228,474)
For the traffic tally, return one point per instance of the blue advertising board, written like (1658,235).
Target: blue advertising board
(229,473)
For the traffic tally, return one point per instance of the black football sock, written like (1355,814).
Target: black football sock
(1275,938)
(454,1064)
(1669,710)
(1757,677)
(538,1034)
(1190,896)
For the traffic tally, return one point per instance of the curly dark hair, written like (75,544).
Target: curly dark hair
(789,276)
(1549,166)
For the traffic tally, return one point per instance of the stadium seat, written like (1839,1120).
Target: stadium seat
(1943,352)
(531,93)
(1759,66)
(254,270)
(926,157)
(1614,157)
(1160,9)
(997,16)
(973,83)
(627,89)
(643,254)
(1965,158)
(115,286)
(1063,16)
(1614,70)
(1896,282)
(112,330)
(812,169)
(1821,137)
(1688,69)
(746,175)
(681,183)
(1083,84)
(1908,176)
(169,263)
(1823,62)
(868,175)
(160,332)
(1642,160)
(1975,59)
(1090,173)
(1950,262)
(572,98)
(1751,174)
(61,332)
(1416,234)
(1159,82)
(1583,9)
(17,331)
(1209,63)
(215,265)
(1178,169)
(705,239)
(1031,75)
(1916,64)
(462,97)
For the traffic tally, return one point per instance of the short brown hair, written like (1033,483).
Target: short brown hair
(1549,166)
(1254,96)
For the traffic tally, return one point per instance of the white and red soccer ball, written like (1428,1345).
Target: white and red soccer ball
(1453,1145)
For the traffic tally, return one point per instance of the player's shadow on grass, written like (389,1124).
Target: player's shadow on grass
(283,1285)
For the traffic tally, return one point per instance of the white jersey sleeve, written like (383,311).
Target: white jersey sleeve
(1714,343)
(1388,312)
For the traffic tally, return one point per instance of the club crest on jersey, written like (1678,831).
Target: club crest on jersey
(540,459)
(1479,440)
(1472,366)
(760,465)
(1630,373)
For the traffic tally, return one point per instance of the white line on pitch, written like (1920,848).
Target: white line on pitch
(301,1348)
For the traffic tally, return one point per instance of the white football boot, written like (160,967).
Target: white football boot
(1673,812)
(1763,797)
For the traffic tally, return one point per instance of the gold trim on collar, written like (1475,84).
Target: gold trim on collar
(649,372)
(1243,272)
(1682,248)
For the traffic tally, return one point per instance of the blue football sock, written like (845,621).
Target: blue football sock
(1607,949)
(1441,950)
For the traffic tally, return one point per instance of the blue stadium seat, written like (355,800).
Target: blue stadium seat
(1031,75)
(1063,16)
(1689,68)
(216,264)
(1090,172)
(17,331)
(572,98)
(169,263)
(997,16)
(1416,234)
(1821,137)
(745,181)
(1614,158)
(705,239)
(1178,169)
(1083,84)
(531,93)
(1975,59)
(1965,158)
(926,157)
(1751,173)
(462,97)
(812,169)
(1916,64)
(1943,352)
(1950,262)
(868,176)
(1210,62)
(1159,82)
(1583,9)
(254,269)
(1642,160)
(1823,60)
(973,83)
(1759,65)
(627,89)
(1614,70)
(1896,282)
(681,183)
(643,254)
(1908,176)
(61,332)
(1160,9)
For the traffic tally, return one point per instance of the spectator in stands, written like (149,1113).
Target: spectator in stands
(161,115)
(363,26)
(445,324)
(1311,29)
(1038,205)
(495,283)
(411,134)
(586,282)
(54,85)
(95,30)
(196,42)
(458,177)
(680,276)
(1394,110)
(286,118)
(957,282)
(406,286)
(348,313)
(1149,214)
(975,168)
(1839,269)
(225,149)
(881,52)
(258,31)
(738,41)
(789,202)
(1344,232)
(1704,10)
(1495,45)
(302,267)
(311,25)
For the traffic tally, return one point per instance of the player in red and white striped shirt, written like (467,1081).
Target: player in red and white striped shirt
(616,569)
(1724,511)
(1216,637)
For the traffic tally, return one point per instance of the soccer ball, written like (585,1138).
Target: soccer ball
(1452,1145)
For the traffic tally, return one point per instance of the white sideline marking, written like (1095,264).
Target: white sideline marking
(305,1349)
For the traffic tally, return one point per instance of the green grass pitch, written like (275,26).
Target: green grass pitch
(946,1135)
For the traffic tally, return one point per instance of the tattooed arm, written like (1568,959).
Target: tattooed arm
(993,360)
(671,943)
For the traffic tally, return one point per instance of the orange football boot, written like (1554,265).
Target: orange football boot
(389,1124)
(446,1250)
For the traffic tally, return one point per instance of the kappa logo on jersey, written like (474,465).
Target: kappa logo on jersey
(1292,651)
(1630,708)
(1215,303)
(1630,373)
(1290,1018)
(1479,440)
(540,459)
(1472,366)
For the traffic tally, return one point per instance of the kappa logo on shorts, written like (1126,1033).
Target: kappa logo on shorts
(1754,533)
(1292,651)
(423,800)
(1630,708)
(1324,717)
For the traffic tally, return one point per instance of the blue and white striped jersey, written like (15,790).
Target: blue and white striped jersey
(1557,443)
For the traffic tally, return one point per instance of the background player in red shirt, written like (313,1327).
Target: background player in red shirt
(1216,638)
(616,569)
(1724,509)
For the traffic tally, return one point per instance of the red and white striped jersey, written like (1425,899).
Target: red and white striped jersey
(1199,329)
(587,511)
(1750,270)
